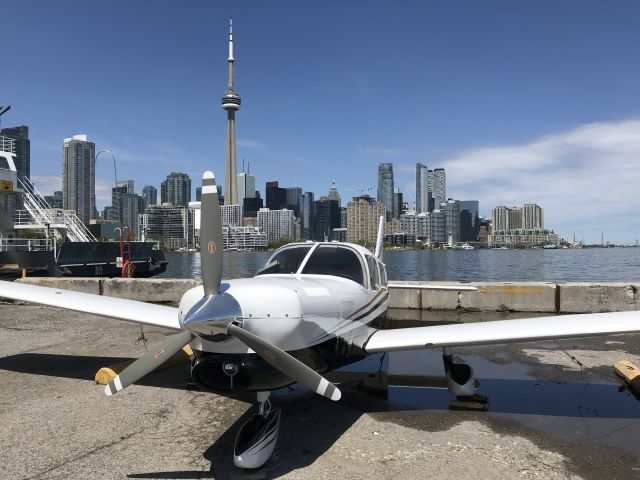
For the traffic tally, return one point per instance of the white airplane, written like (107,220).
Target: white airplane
(307,312)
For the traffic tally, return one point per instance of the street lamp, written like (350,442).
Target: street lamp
(115,175)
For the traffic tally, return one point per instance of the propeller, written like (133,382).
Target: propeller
(217,315)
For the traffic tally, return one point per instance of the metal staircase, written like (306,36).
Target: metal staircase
(40,215)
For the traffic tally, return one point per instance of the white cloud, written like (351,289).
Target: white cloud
(381,151)
(586,179)
(247,143)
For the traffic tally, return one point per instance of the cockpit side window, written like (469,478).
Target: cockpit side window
(287,260)
(374,278)
(335,260)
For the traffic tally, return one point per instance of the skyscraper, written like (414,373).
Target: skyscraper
(294,200)
(176,189)
(307,217)
(276,196)
(79,176)
(422,188)
(533,216)
(246,186)
(22,146)
(334,195)
(385,187)
(150,195)
(469,220)
(231,103)
(439,187)
(397,203)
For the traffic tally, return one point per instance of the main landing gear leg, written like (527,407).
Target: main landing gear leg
(257,438)
(461,383)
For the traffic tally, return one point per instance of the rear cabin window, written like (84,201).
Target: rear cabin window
(285,261)
(383,275)
(335,260)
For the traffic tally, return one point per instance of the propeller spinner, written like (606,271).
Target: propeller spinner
(218,315)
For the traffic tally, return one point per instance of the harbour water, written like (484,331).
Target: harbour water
(560,265)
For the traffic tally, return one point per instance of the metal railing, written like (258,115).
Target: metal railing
(42,216)
(9,244)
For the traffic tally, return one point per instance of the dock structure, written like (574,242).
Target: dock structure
(541,297)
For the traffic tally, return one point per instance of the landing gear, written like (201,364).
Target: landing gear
(257,438)
(461,383)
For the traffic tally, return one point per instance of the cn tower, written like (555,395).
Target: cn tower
(231,103)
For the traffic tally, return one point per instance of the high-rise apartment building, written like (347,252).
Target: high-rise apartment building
(506,218)
(439,187)
(150,195)
(173,227)
(397,203)
(363,217)
(422,188)
(176,189)
(385,188)
(533,216)
(276,224)
(231,215)
(22,148)
(79,177)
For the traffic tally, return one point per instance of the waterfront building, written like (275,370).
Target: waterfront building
(506,218)
(469,220)
(385,188)
(172,226)
(431,200)
(276,197)
(231,215)
(523,238)
(409,223)
(326,215)
(276,224)
(533,216)
(231,104)
(176,189)
(236,237)
(334,195)
(150,195)
(422,188)
(439,187)
(438,231)
(452,219)
(363,217)
(79,177)
(21,148)
(246,186)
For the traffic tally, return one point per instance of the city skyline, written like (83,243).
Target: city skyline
(513,116)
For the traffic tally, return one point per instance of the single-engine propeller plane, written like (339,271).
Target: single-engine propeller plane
(307,312)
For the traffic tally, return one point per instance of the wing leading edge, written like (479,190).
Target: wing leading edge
(121,309)
(504,331)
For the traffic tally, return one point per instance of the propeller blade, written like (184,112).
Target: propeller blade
(148,362)
(287,364)
(210,235)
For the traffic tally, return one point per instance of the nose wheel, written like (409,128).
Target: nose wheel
(256,440)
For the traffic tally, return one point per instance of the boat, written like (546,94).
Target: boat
(549,246)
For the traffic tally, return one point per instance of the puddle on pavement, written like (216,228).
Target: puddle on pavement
(592,410)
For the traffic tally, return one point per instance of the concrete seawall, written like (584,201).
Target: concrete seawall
(490,297)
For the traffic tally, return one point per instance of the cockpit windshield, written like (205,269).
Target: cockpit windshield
(335,260)
(287,260)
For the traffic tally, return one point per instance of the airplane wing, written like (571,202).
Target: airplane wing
(503,331)
(121,309)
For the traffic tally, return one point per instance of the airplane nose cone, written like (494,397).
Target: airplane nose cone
(211,316)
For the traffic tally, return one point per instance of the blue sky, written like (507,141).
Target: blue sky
(520,101)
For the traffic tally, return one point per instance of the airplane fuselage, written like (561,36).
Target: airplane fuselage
(310,316)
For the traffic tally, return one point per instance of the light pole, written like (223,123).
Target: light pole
(115,175)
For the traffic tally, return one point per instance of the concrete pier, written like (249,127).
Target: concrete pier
(541,297)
